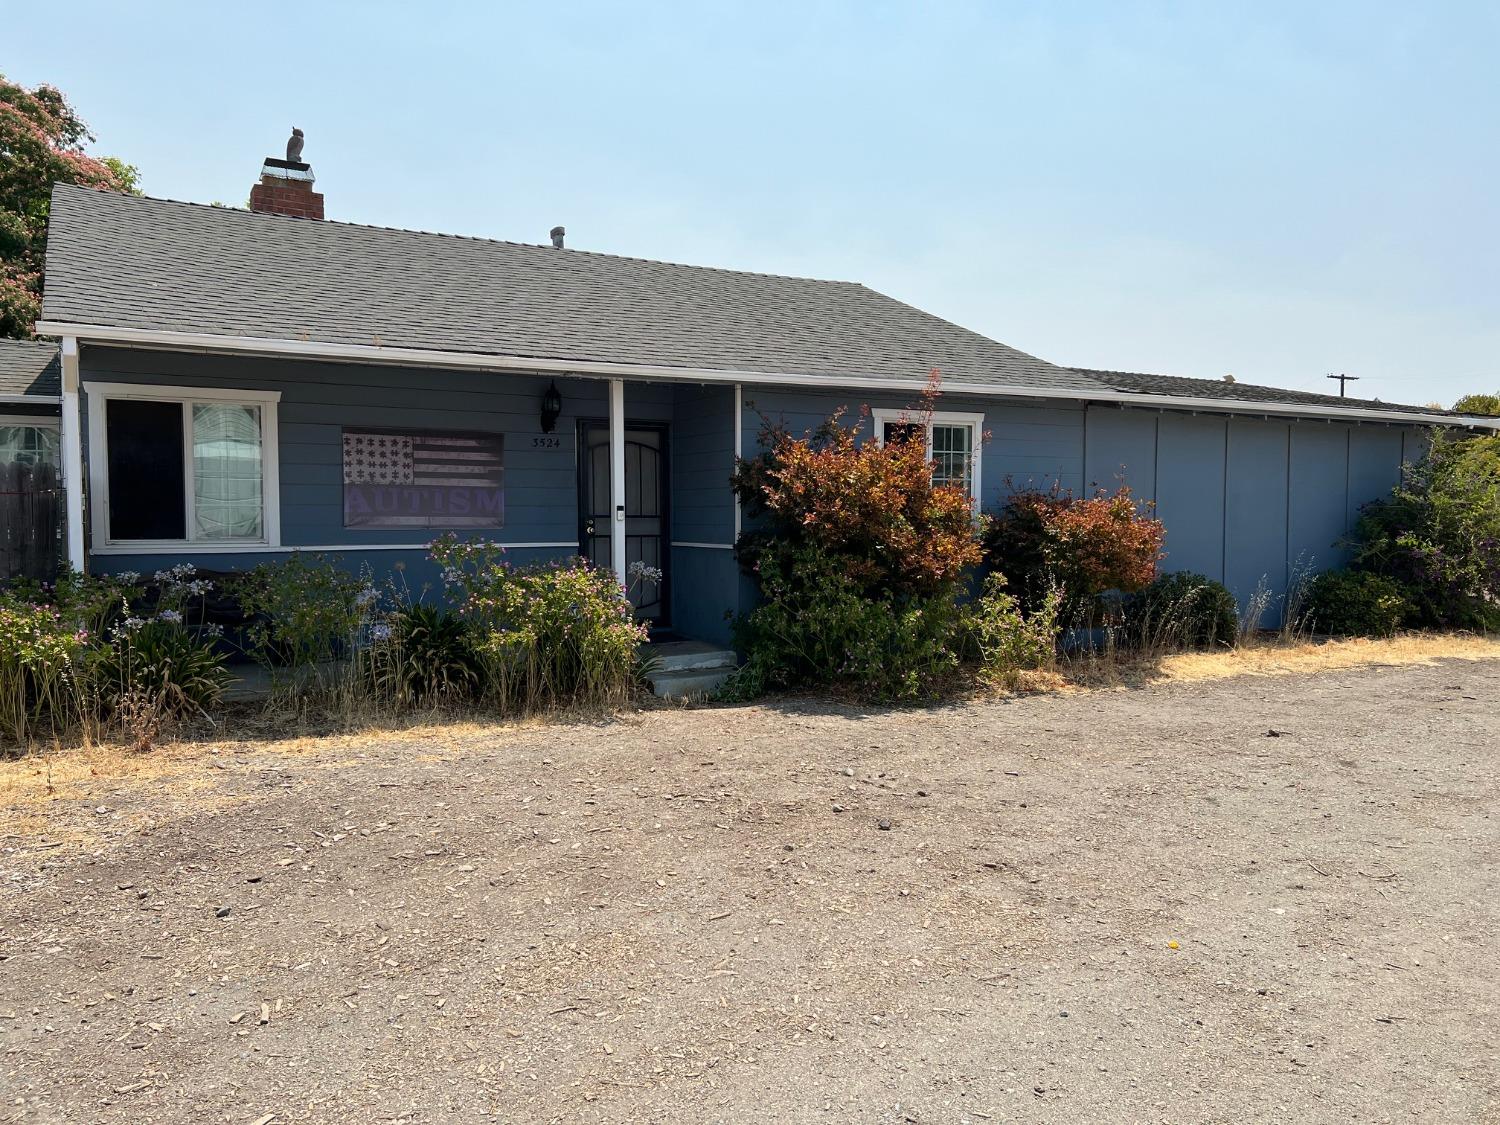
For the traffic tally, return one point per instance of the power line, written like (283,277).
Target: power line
(1342,380)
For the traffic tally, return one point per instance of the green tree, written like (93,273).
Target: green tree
(41,143)
(1479,404)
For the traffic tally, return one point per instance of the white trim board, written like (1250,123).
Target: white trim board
(99,394)
(199,548)
(42,421)
(427,357)
(941,418)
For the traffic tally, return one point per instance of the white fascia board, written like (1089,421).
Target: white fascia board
(425,357)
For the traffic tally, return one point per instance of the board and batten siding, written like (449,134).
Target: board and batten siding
(1249,501)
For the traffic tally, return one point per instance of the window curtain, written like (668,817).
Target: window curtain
(226,472)
(28,445)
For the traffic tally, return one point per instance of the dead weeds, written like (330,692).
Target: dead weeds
(49,775)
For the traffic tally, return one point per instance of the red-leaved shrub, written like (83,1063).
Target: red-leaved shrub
(873,507)
(1050,538)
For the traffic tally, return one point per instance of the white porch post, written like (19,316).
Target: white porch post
(70,432)
(617,477)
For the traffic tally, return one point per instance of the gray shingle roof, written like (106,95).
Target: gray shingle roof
(30,367)
(1240,392)
(132,262)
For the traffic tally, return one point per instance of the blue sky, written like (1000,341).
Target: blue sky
(1272,190)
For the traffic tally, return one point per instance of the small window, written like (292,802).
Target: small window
(181,469)
(27,443)
(952,444)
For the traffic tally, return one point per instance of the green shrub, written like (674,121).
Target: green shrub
(161,664)
(305,610)
(41,670)
(546,635)
(1001,639)
(1438,535)
(1351,604)
(422,656)
(1182,609)
(819,626)
(1048,540)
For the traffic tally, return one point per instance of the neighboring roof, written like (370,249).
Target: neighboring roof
(131,262)
(1180,386)
(31,368)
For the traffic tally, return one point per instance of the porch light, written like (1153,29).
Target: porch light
(551,408)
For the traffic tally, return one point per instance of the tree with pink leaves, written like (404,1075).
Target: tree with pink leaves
(41,143)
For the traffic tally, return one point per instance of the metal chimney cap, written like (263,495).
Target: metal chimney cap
(557,237)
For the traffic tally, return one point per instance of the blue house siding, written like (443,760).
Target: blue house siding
(1121,449)
(1029,445)
(1243,499)
(319,399)
(1255,508)
(1247,500)
(1318,496)
(1190,467)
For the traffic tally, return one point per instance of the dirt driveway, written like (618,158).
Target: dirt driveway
(1130,906)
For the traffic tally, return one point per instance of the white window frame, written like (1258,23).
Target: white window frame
(975,422)
(40,422)
(99,394)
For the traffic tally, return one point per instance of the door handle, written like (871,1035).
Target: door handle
(588,528)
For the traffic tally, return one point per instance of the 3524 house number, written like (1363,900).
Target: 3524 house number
(546,442)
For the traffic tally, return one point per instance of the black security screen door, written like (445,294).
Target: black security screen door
(645,508)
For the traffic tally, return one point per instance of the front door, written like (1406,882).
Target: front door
(646,484)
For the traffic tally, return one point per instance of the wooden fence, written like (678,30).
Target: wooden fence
(30,521)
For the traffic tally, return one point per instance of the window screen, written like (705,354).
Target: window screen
(146,471)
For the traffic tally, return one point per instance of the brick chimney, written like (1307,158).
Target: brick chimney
(286,188)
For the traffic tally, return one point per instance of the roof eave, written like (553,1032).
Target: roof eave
(420,357)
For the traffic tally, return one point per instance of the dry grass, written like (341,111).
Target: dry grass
(30,784)
(1275,657)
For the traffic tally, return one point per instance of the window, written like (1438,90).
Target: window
(952,444)
(174,464)
(28,441)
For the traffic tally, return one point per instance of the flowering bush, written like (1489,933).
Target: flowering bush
(548,634)
(422,655)
(305,610)
(41,670)
(89,645)
(872,506)
(1438,535)
(1049,539)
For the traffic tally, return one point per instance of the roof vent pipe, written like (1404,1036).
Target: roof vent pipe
(557,237)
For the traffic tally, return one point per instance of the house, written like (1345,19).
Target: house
(239,384)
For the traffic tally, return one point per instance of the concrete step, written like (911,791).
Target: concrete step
(693,684)
(688,656)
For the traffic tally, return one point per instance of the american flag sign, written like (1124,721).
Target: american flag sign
(423,479)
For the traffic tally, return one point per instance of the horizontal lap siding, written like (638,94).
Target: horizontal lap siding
(1028,446)
(319,400)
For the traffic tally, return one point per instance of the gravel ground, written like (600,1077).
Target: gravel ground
(1124,906)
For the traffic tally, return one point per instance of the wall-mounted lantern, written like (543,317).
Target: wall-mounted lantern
(551,409)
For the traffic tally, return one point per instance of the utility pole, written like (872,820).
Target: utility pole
(1344,379)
